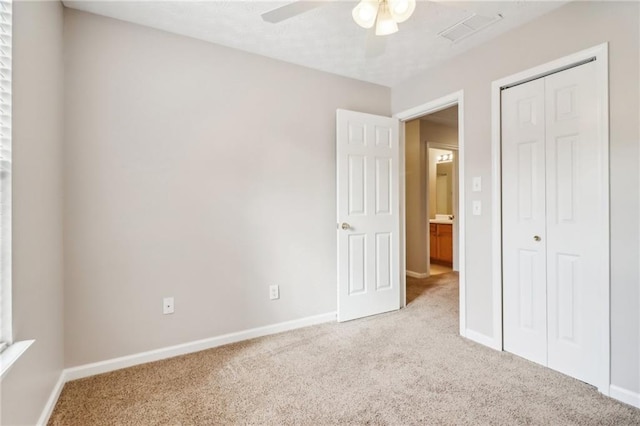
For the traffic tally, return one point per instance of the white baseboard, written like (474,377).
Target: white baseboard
(51,402)
(624,395)
(483,339)
(416,274)
(190,347)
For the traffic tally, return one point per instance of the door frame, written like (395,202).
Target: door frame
(600,54)
(456,98)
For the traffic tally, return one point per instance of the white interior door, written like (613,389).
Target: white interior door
(523,218)
(553,222)
(368,214)
(574,222)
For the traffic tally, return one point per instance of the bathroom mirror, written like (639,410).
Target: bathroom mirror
(444,187)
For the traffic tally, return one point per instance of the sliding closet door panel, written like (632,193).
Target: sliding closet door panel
(574,200)
(523,221)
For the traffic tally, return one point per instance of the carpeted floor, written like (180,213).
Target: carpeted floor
(402,368)
(435,269)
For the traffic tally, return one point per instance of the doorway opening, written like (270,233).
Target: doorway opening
(431,157)
(433,204)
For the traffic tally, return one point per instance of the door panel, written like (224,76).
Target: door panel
(445,243)
(368,190)
(357,185)
(568,298)
(574,200)
(383,260)
(383,185)
(433,241)
(357,260)
(523,218)
(528,266)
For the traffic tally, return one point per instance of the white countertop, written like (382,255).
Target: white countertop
(442,221)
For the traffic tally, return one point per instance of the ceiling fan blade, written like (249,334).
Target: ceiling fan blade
(290,10)
(375,45)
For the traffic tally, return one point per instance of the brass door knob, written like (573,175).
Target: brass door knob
(537,238)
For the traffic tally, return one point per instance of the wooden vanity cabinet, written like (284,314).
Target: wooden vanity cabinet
(441,243)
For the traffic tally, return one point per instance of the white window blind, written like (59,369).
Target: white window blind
(5,172)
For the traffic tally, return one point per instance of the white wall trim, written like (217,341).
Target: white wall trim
(600,52)
(496,214)
(418,275)
(431,107)
(624,395)
(456,98)
(481,338)
(53,399)
(11,353)
(402,245)
(190,347)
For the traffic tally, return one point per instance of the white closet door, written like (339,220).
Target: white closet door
(523,219)
(553,222)
(574,223)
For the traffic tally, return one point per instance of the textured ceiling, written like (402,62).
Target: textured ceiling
(325,38)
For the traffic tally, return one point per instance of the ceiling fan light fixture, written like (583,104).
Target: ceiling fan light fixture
(385,14)
(401,10)
(385,23)
(364,14)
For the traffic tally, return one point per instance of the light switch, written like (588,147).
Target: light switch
(476,184)
(477,208)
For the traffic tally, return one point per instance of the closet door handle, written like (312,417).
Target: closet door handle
(537,238)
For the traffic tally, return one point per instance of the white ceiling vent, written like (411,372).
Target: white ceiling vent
(468,26)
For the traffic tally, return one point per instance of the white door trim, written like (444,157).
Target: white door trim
(456,98)
(600,53)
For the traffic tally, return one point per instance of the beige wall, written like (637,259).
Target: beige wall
(37,209)
(171,191)
(439,133)
(415,196)
(573,27)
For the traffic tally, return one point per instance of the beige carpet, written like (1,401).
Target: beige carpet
(436,269)
(401,368)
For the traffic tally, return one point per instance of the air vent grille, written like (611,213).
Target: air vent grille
(468,26)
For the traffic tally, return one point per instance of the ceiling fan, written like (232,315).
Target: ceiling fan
(385,14)
(382,18)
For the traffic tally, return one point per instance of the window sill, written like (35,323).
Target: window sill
(11,354)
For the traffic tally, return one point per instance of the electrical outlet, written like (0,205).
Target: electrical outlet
(274,292)
(167,305)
